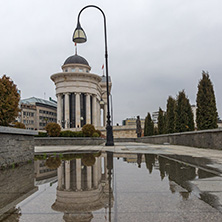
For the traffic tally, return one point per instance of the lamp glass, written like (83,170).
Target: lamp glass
(79,35)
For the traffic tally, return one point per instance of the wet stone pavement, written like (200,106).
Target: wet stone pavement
(130,182)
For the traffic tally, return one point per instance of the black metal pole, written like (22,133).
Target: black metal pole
(109,128)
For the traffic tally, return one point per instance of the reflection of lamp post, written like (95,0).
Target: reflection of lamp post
(110,168)
(79,36)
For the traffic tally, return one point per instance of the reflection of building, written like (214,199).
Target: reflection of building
(36,113)
(81,94)
(132,122)
(42,171)
(82,189)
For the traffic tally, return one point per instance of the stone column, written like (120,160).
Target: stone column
(78,123)
(67,174)
(60,176)
(59,109)
(88,113)
(89,177)
(98,114)
(105,114)
(95,174)
(99,168)
(67,110)
(105,166)
(78,174)
(94,111)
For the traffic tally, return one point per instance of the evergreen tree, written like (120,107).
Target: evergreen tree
(161,123)
(184,115)
(9,101)
(206,113)
(155,130)
(170,115)
(149,126)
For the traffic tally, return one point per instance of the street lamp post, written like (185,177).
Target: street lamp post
(79,36)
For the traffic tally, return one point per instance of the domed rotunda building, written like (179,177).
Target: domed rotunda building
(81,95)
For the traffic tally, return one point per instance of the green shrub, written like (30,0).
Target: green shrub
(95,134)
(67,133)
(53,129)
(20,125)
(41,134)
(99,132)
(88,130)
(79,134)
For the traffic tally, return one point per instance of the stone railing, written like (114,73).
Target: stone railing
(16,146)
(211,139)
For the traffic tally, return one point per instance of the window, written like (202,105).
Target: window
(80,70)
(73,69)
(66,70)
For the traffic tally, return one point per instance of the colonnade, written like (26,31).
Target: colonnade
(73,176)
(77,109)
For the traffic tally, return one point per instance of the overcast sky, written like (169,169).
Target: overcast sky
(156,47)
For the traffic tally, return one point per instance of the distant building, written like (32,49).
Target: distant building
(36,113)
(132,122)
(194,109)
(155,116)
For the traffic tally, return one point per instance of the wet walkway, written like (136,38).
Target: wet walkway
(206,159)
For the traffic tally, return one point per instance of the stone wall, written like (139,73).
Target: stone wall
(211,139)
(16,146)
(121,131)
(70,141)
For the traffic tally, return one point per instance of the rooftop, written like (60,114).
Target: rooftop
(34,100)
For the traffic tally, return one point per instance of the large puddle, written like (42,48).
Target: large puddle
(108,187)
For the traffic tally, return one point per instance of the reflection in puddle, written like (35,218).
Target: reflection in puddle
(85,186)
(15,185)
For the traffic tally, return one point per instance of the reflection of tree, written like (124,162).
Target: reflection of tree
(163,167)
(204,174)
(53,162)
(177,172)
(185,195)
(88,159)
(150,161)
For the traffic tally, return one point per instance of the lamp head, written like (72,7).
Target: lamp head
(79,35)
(101,102)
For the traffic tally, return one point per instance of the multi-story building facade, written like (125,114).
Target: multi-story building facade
(36,113)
